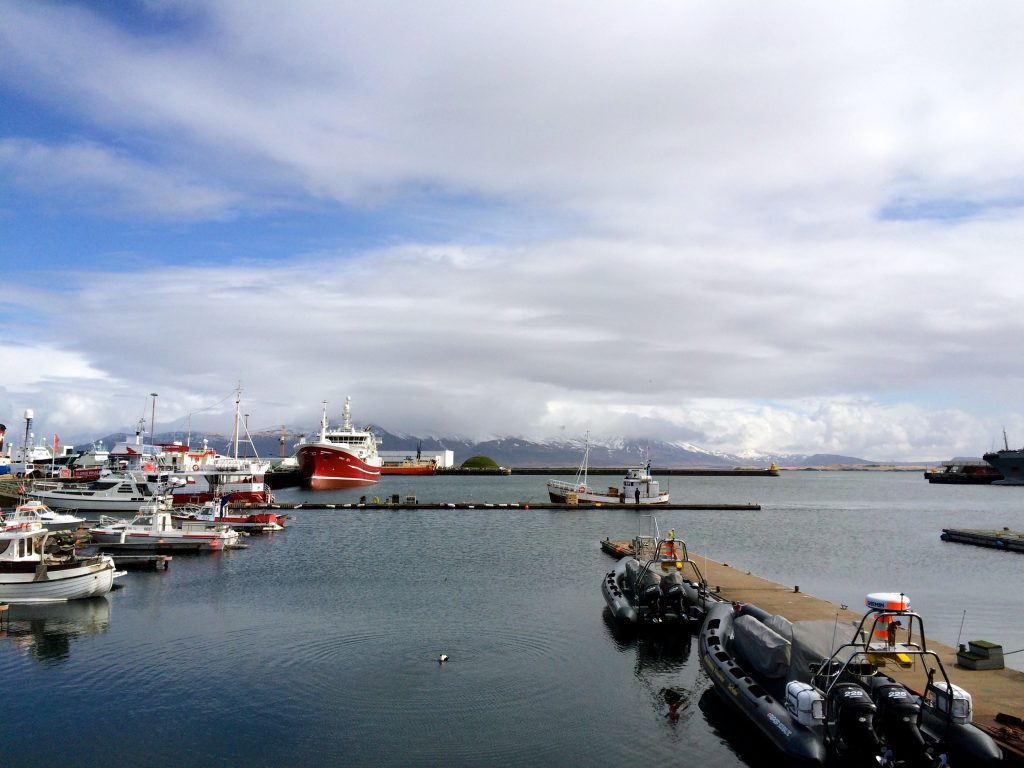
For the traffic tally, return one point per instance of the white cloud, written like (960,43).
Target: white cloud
(711,216)
(95,178)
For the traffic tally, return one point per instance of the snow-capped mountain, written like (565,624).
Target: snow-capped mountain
(521,452)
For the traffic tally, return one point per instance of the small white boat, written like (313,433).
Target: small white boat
(37,512)
(29,575)
(153,530)
(636,487)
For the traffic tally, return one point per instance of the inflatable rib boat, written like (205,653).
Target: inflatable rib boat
(657,585)
(812,700)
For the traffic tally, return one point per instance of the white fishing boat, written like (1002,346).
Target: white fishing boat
(154,530)
(37,512)
(30,575)
(637,487)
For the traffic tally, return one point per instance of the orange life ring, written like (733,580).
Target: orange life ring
(195,467)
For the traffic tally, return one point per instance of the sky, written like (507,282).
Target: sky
(787,227)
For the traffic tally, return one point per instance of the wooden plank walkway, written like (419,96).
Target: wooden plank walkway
(998,694)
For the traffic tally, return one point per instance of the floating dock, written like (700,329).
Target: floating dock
(1011,541)
(414,505)
(656,472)
(142,562)
(998,693)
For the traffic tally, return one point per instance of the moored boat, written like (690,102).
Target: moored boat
(113,492)
(637,487)
(37,512)
(964,472)
(154,530)
(1009,462)
(28,574)
(409,466)
(814,700)
(656,585)
(220,512)
(343,457)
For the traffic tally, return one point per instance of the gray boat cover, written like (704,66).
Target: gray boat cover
(776,648)
(761,647)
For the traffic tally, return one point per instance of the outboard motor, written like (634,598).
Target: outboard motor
(649,591)
(673,598)
(897,720)
(854,715)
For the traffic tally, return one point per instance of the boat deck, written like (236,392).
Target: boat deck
(998,693)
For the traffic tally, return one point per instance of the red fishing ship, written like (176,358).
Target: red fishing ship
(343,457)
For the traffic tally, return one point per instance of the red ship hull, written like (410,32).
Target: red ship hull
(325,467)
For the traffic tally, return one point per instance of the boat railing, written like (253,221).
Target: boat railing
(862,656)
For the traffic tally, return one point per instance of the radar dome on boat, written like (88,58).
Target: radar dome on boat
(887,601)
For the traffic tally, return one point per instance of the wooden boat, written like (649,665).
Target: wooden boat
(636,487)
(28,574)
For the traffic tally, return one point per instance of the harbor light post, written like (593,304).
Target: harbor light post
(152,420)
(29,415)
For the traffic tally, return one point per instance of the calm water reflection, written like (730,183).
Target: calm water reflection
(318,645)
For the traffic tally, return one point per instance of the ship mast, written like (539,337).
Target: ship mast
(238,398)
(323,425)
(346,415)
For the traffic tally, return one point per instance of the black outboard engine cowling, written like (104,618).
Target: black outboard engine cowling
(649,596)
(854,714)
(673,598)
(897,720)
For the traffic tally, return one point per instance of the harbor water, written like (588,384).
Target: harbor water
(319,645)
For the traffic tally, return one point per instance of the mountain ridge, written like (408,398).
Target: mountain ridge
(522,452)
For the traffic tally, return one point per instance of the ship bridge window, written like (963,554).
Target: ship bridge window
(5,545)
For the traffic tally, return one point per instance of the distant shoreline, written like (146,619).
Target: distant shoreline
(727,470)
